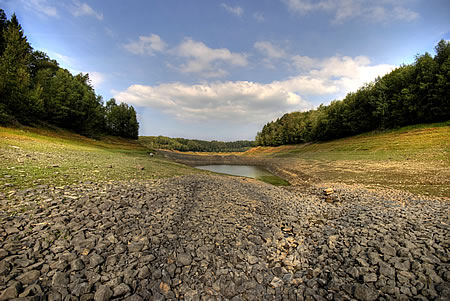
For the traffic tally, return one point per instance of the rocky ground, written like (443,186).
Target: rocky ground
(203,237)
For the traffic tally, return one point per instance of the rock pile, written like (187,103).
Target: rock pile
(204,237)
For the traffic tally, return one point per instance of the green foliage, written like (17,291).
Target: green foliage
(410,94)
(121,120)
(33,88)
(184,145)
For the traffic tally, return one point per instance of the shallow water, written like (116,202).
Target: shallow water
(249,171)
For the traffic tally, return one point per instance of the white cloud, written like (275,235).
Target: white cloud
(83,9)
(251,102)
(406,14)
(146,45)
(258,17)
(303,62)
(236,10)
(41,7)
(334,75)
(270,50)
(205,61)
(242,101)
(97,78)
(343,10)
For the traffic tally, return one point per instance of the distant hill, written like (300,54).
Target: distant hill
(193,145)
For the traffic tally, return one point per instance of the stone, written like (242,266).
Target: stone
(276,282)
(95,260)
(134,297)
(59,279)
(31,290)
(355,250)
(10,293)
(103,293)
(164,288)
(387,270)
(121,290)
(364,293)
(252,259)
(29,277)
(184,259)
(143,273)
(328,191)
(77,265)
(372,277)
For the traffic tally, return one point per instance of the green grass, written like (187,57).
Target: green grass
(419,142)
(274,180)
(414,158)
(32,157)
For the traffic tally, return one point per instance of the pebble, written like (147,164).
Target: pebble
(208,237)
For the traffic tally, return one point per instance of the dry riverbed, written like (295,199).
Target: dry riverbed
(206,237)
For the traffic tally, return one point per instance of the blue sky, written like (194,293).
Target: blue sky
(220,70)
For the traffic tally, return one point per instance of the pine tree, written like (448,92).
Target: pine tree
(14,72)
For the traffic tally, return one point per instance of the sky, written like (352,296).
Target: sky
(220,70)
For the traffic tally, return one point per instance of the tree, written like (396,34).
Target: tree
(14,73)
(3,26)
(121,120)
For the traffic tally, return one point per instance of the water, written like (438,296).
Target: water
(249,171)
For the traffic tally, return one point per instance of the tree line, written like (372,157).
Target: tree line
(34,89)
(184,145)
(410,94)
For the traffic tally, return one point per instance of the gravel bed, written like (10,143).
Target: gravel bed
(206,237)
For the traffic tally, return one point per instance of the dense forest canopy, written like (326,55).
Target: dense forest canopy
(33,88)
(184,145)
(410,94)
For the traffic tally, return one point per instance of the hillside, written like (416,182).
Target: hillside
(413,158)
(32,156)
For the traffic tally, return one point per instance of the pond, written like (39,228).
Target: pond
(249,171)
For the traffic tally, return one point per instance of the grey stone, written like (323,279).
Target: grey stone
(372,277)
(59,279)
(276,282)
(364,293)
(103,293)
(10,293)
(184,259)
(387,270)
(121,290)
(95,260)
(29,277)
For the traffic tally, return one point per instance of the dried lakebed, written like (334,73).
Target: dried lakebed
(208,237)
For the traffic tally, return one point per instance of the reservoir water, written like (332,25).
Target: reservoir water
(249,171)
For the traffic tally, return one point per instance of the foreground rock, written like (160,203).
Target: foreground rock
(219,238)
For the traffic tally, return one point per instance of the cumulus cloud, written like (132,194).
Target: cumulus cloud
(236,10)
(146,45)
(343,10)
(258,17)
(83,9)
(241,101)
(252,102)
(97,78)
(41,7)
(205,61)
(334,75)
(269,49)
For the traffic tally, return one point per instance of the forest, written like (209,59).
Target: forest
(35,90)
(410,94)
(184,145)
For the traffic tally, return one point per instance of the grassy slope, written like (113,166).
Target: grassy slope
(414,158)
(31,157)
